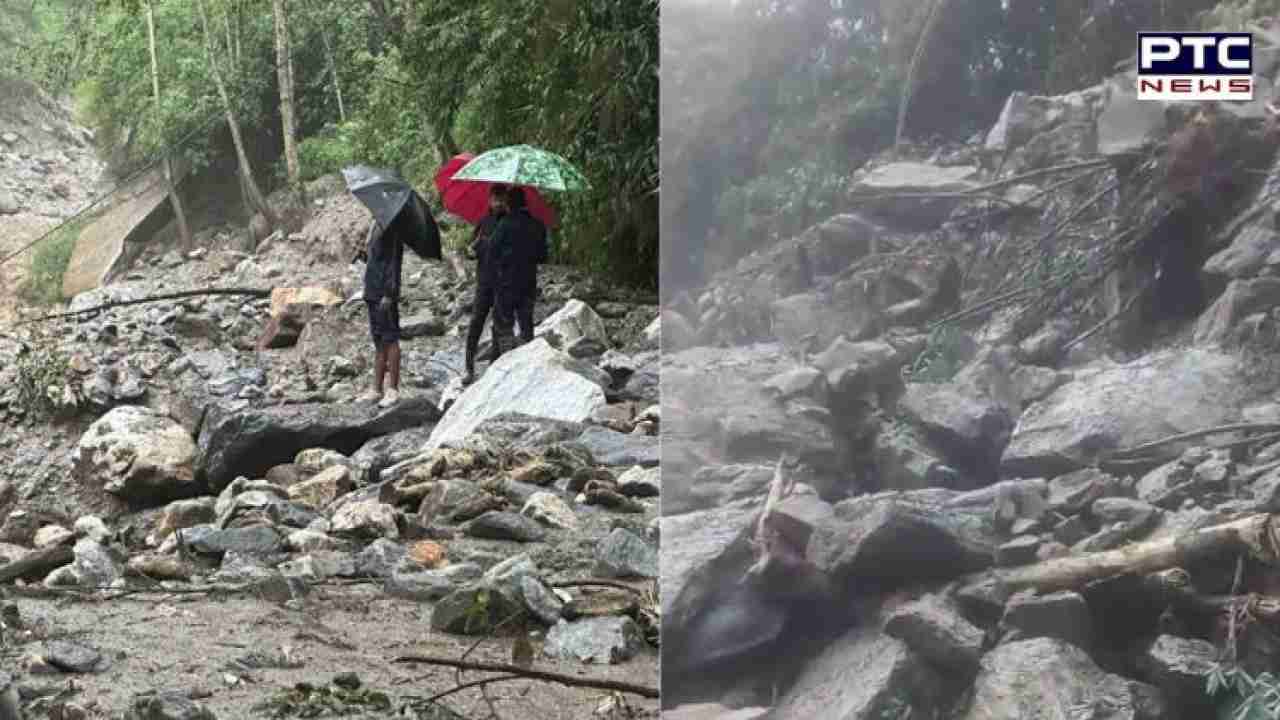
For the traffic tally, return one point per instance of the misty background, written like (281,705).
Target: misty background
(769,106)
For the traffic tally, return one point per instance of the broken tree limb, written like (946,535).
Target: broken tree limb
(1155,444)
(1254,534)
(248,292)
(36,565)
(568,680)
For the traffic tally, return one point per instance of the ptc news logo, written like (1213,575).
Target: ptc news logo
(1195,66)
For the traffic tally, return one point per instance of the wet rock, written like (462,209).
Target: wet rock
(326,487)
(641,482)
(430,585)
(253,540)
(1118,406)
(694,546)
(598,641)
(383,452)
(970,430)
(1061,615)
(367,518)
(510,526)
(863,675)
(540,600)
(936,630)
(550,510)
(903,535)
(1033,679)
(575,328)
(1076,491)
(622,554)
(476,610)
(94,565)
(536,380)
(613,449)
(52,535)
(1241,299)
(319,565)
(1018,551)
(251,441)
(73,657)
(139,455)
(184,514)
(1246,254)
(1179,667)
(456,501)
(380,558)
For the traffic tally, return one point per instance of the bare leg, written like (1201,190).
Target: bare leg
(393,359)
(379,368)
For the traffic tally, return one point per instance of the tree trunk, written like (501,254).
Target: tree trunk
(1255,534)
(246,171)
(333,72)
(284,76)
(184,231)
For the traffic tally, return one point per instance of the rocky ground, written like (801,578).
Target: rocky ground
(48,172)
(1003,487)
(197,519)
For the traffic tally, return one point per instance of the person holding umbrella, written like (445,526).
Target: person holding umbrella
(519,247)
(400,219)
(485,279)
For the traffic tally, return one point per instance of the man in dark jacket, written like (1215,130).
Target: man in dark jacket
(385,255)
(486,285)
(519,247)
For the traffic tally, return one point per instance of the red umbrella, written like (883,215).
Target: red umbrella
(469,199)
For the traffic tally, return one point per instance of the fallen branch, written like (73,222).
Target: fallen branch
(37,565)
(1155,444)
(1254,534)
(597,583)
(1110,318)
(249,292)
(567,680)
(468,686)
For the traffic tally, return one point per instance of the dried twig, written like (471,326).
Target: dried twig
(1110,318)
(248,292)
(567,680)
(597,583)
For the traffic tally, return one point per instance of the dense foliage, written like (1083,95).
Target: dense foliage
(403,84)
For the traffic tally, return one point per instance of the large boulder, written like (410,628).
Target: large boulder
(1041,679)
(291,310)
(1114,406)
(717,403)
(1241,299)
(862,676)
(903,536)
(250,441)
(916,180)
(970,430)
(140,456)
(535,380)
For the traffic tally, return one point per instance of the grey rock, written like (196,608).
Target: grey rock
(614,449)
(541,602)
(1061,615)
(250,442)
(1035,679)
(252,540)
(73,657)
(641,482)
(598,641)
(936,630)
(430,585)
(496,525)
(380,558)
(1018,551)
(861,676)
(1179,667)
(623,554)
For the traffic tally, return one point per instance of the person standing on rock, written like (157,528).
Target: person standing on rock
(486,284)
(519,246)
(382,295)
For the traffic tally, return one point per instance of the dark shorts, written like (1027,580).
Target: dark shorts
(384,325)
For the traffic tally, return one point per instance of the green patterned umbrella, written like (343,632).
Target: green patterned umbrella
(524,165)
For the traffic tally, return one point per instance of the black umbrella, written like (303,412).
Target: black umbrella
(396,206)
